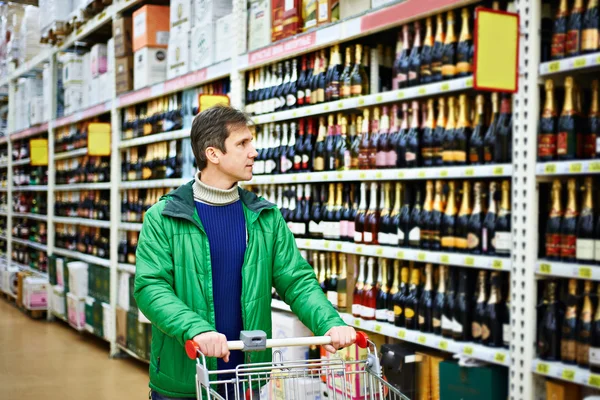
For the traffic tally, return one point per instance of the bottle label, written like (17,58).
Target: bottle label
(503,241)
(307,96)
(421,320)
(300,97)
(558,45)
(415,234)
(585,249)
(589,39)
(391,158)
(437,323)
(300,229)
(397,311)
(506,333)
(565,144)
(344,229)
(484,240)
(356,90)
(476,330)
(410,156)
(305,160)
(589,145)
(460,243)
(334,229)
(448,242)
(552,245)
(368,237)
(572,43)
(346,91)
(409,312)
(286,165)
(381,159)
(568,246)
(297,161)
(597,250)
(400,236)
(402,77)
(341,301)
(390,316)
(448,70)
(460,156)
(357,237)
(472,241)
(325,229)
(270,166)
(367,312)
(463,67)
(356,309)
(332,296)
(485,332)
(568,349)
(290,100)
(447,323)
(382,238)
(313,227)
(381,315)
(595,356)
(474,156)
(457,327)
(319,164)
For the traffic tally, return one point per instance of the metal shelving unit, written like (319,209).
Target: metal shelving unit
(94,223)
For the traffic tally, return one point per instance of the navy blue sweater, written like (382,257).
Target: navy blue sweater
(225,227)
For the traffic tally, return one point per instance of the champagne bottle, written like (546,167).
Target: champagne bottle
(568,344)
(414,228)
(332,284)
(492,329)
(381,312)
(448,311)
(359,79)
(365,142)
(369,303)
(438,134)
(425,310)
(475,221)
(436,219)
(479,311)
(476,141)
(413,139)
(357,300)
(404,225)
(403,63)
(427,53)
(391,156)
(594,355)
(449,52)
(566,142)
(412,301)
(559,33)
(553,239)
(345,79)
(342,285)
(393,292)
(462,222)
(427,142)
(448,225)
(400,299)
(414,61)
(438,49)
(361,215)
(371,218)
(425,219)
(589,33)
(394,223)
(549,331)
(374,142)
(462,133)
(439,301)
(402,141)
(449,138)
(383,146)
(585,226)
(488,233)
(461,321)
(584,329)
(464,50)
(548,126)
(503,234)
(503,148)
(383,232)
(568,226)
(592,141)
(489,140)
(320,151)
(574,25)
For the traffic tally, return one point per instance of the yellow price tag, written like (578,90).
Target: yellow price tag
(594,380)
(379,252)
(361,101)
(357,322)
(469,261)
(294,114)
(326,108)
(295,178)
(272,179)
(308,111)
(362,175)
(497,264)
(38,152)
(401,334)
(500,357)
(568,374)
(469,82)
(309,177)
(445,87)
(325,176)
(550,168)
(400,255)
(307,243)
(421,256)
(422,91)
(575,168)
(545,269)
(326,244)
(378,328)
(379,99)
(341,104)
(469,172)
(581,62)
(400,95)
(498,171)
(543,368)
(443,345)
(445,259)
(272,118)
(421,174)
(339,246)
(401,174)
(585,272)
(379,175)
(443,173)
(468,350)
(340,175)
(422,339)
(101,15)
(359,249)
(554,66)
(79,31)
(594,167)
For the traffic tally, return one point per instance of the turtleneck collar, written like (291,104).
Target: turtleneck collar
(213,196)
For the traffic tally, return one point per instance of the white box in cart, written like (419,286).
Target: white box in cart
(207,11)
(78,278)
(182,15)
(149,67)
(287,325)
(259,24)
(57,301)
(224,38)
(76,311)
(178,62)
(99,59)
(202,46)
(72,69)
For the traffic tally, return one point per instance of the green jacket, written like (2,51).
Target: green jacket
(173,283)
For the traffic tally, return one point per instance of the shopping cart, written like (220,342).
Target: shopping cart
(333,378)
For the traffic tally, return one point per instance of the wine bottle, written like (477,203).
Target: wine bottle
(361,215)
(414,228)
(559,33)
(383,231)
(449,219)
(439,301)
(413,139)
(308,149)
(549,331)
(503,148)
(568,344)
(488,233)
(436,219)
(383,146)
(404,220)
(320,150)
(344,213)
(381,312)
(438,134)
(574,25)
(475,222)
(425,310)
(568,226)
(589,34)
(462,222)
(548,126)
(400,299)
(303,215)
(403,63)
(374,139)
(462,133)
(343,146)
(342,285)
(364,147)
(414,61)
(461,322)
(438,49)
(475,145)
(323,273)
(427,53)
(503,233)
(402,141)
(369,303)
(553,238)
(250,94)
(391,156)
(316,215)
(412,300)
(592,130)
(328,214)
(394,289)
(479,311)
(357,300)
(335,224)
(464,50)
(371,218)
(585,226)
(359,79)
(489,140)
(291,95)
(321,78)
(448,310)
(449,137)
(594,355)
(335,75)
(345,78)
(302,82)
(355,140)
(492,328)
(425,219)
(392,228)
(330,155)
(332,287)
(566,138)
(427,146)
(309,80)
(584,328)
(449,52)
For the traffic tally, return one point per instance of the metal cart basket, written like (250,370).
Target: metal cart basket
(334,378)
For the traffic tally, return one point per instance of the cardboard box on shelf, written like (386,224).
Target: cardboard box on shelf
(99,60)
(132,331)
(110,55)
(182,16)
(76,311)
(259,24)
(202,47)
(121,327)
(208,11)
(474,383)
(178,62)
(149,67)
(124,74)
(349,8)
(73,98)
(559,390)
(309,12)
(72,69)
(108,320)
(151,27)
(89,313)
(35,293)
(122,34)
(57,301)
(36,110)
(224,38)
(141,339)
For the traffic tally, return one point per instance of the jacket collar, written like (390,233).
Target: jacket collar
(180,204)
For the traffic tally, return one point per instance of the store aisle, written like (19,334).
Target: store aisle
(41,360)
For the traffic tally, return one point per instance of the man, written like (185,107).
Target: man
(207,257)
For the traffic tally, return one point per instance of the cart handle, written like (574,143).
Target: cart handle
(362,340)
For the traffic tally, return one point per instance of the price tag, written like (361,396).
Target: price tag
(326,244)
(500,357)
(361,101)
(421,174)
(255,120)
(445,87)
(598,60)
(421,256)
(580,62)
(585,272)
(594,167)
(272,179)
(341,104)
(272,117)
(295,178)
(326,108)
(469,172)
(359,249)
(79,31)
(550,169)
(545,269)
(401,334)
(378,328)
(422,91)
(568,374)
(339,246)
(469,261)
(325,176)
(575,168)
(468,350)
(543,368)
(340,175)
(308,111)
(554,66)
(101,16)
(594,381)
(379,175)
(445,259)
(401,95)
(400,255)
(497,264)
(379,252)
(443,173)
(400,174)
(498,171)
(307,243)
(309,177)
(443,345)
(362,175)
(469,82)
(294,114)
(422,339)
(357,322)
(379,99)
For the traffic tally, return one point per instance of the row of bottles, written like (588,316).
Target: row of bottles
(72,136)
(33,258)
(34,231)
(575,29)
(573,134)
(396,137)
(27,175)
(127,247)
(86,240)
(451,217)
(92,204)
(154,161)
(85,169)
(166,114)
(568,322)
(20,150)
(30,202)
(135,203)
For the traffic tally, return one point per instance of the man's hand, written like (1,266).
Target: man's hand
(213,344)
(341,336)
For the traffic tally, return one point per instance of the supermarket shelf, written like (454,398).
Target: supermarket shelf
(568,167)
(380,19)
(71,154)
(82,221)
(3,213)
(567,270)
(3,139)
(195,78)
(31,188)
(83,186)
(29,132)
(130,226)
(83,257)
(369,100)
(37,217)
(132,354)
(569,373)
(3,237)
(33,245)
(488,354)
(25,161)
(88,113)
(159,137)
(570,64)
(480,171)
(3,189)
(41,57)
(24,267)
(4,165)
(130,268)
(151,184)
(91,26)
(457,259)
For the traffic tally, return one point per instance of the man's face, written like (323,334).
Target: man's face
(238,159)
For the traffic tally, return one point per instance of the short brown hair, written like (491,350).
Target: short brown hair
(210,128)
